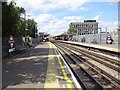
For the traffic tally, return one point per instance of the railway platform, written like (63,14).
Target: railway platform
(39,67)
(107,47)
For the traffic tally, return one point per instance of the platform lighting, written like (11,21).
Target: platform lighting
(100,34)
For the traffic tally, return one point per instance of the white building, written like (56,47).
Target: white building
(86,27)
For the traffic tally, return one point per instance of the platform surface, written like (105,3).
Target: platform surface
(40,67)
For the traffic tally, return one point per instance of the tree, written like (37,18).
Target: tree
(31,28)
(72,30)
(12,23)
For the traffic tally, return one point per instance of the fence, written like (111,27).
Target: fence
(97,38)
(19,44)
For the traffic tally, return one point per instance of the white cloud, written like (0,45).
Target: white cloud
(45,18)
(73,18)
(96,17)
(50,24)
(106,24)
(111,26)
(47,5)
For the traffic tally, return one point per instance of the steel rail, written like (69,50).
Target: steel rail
(97,58)
(96,85)
(114,61)
(104,73)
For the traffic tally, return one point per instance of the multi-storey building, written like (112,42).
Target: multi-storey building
(86,27)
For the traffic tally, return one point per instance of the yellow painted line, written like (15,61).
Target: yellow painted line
(51,81)
(69,82)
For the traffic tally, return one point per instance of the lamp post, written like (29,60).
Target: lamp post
(38,35)
(78,35)
(25,29)
(100,35)
(106,34)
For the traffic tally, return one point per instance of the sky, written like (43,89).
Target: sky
(54,16)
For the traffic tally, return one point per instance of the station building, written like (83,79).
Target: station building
(86,27)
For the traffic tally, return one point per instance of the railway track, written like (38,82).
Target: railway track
(99,57)
(89,74)
(107,61)
(97,53)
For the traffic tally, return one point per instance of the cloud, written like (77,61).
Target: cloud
(96,17)
(104,24)
(48,5)
(111,26)
(50,24)
(45,18)
(73,18)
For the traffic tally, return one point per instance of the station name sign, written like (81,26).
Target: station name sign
(11,42)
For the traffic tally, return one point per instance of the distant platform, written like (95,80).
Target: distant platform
(108,47)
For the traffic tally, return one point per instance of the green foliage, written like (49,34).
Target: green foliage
(11,20)
(31,27)
(72,31)
(13,23)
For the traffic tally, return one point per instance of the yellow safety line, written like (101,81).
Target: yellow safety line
(51,81)
(69,82)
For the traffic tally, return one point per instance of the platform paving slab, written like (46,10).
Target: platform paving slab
(38,68)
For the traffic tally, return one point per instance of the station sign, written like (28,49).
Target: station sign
(11,38)
(109,39)
(11,45)
(11,42)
